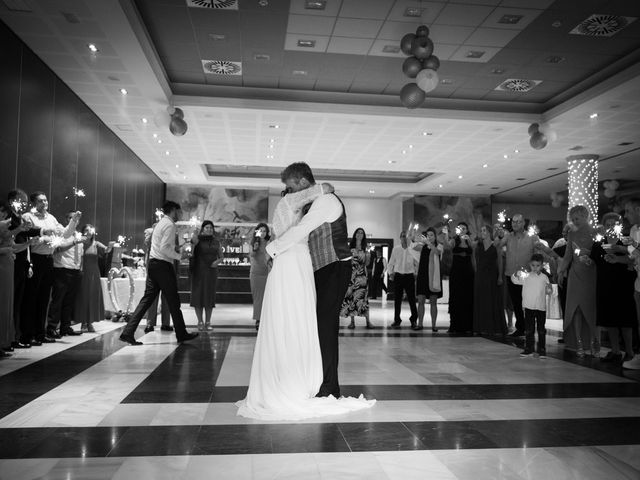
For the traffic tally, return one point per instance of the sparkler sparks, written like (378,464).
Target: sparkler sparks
(78,192)
(502,216)
(599,238)
(458,230)
(533,230)
(159,214)
(194,221)
(18,206)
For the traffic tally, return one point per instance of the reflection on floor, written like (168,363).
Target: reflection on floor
(448,408)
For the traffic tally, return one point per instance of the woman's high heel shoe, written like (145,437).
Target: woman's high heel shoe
(580,348)
(200,327)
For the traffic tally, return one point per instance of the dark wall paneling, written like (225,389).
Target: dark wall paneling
(51,141)
(64,159)
(10,57)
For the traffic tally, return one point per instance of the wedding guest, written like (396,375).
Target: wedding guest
(461,282)
(35,303)
(498,235)
(67,264)
(206,257)
(429,278)
(24,232)
(89,307)
(560,247)
(632,214)
(580,314)
(535,288)
(377,278)
(7,332)
(488,309)
(260,266)
(614,288)
(161,277)
(152,313)
(356,300)
(402,271)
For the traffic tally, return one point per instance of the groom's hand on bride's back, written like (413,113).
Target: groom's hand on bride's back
(327,188)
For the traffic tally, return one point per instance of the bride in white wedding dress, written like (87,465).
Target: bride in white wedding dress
(286,372)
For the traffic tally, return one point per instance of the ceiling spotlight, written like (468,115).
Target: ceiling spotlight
(263,3)
(516,151)
(391,162)
(506,156)
(144,120)
(404,152)
(439,186)
(410,146)
(460,177)
(155,135)
(372,191)
(123,91)
(92,48)
(272,140)
(177,166)
(159,141)
(593,115)
(167,152)
(485,165)
(425,134)
(271,146)
(274,126)
(185,177)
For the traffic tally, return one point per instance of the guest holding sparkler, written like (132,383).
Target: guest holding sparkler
(35,303)
(614,287)
(89,307)
(580,315)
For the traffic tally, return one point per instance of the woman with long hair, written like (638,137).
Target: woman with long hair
(89,306)
(206,257)
(461,282)
(260,265)
(488,308)
(356,300)
(429,278)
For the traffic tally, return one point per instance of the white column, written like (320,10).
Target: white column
(583,183)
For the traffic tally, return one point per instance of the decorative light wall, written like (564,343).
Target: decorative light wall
(583,183)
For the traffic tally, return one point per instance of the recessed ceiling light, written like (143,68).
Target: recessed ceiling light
(177,166)
(185,177)
(404,152)
(460,177)
(391,49)
(144,120)
(485,165)
(510,19)
(216,37)
(315,4)
(372,191)
(475,54)
(413,12)
(516,151)
(159,141)
(410,146)
(497,71)
(593,115)
(506,156)
(439,186)
(262,57)
(274,126)
(299,72)
(155,135)
(272,140)
(271,146)
(167,152)
(424,134)
(92,48)
(391,161)
(123,91)
(306,43)
(446,81)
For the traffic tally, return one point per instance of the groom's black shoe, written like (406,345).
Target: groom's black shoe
(130,340)
(396,324)
(187,336)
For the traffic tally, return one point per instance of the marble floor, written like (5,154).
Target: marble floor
(91,407)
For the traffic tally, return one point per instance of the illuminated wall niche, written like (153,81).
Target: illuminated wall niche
(583,183)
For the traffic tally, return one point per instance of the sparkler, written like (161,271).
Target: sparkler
(55,241)
(502,216)
(533,230)
(78,192)
(121,239)
(615,231)
(77,235)
(599,237)
(18,206)
(458,230)
(194,221)
(91,231)
(159,214)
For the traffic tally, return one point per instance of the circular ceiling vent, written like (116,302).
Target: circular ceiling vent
(599,25)
(222,67)
(517,85)
(217,4)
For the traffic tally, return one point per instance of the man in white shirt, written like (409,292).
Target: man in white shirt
(402,269)
(67,265)
(35,304)
(632,214)
(161,277)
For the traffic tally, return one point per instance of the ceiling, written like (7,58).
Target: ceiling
(334,103)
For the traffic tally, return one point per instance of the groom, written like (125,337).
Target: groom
(325,223)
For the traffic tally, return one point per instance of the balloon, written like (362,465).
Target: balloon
(178,126)
(411,95)
(162,119)
(421,47)
(427,79)
(554,196)
(432,63)
(411,66)
(422,31)
(556,204)
(614,184)
(533,128)
(609,193)
(538,141)
(607,185)
(177,113)
(405,43)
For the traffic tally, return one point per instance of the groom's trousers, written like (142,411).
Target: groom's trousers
(331,285)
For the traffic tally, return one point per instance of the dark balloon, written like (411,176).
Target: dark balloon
(533,128)
(422,47)
(538,141)
(431,63)
(405,43)
(411,95)
(178,126)
(178,113)
(411,66)
(422,31)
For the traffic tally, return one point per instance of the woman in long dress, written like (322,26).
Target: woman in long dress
(286,372)
(260,266)
(89,306)
(461,282)
(356,300)
(207,255)
(580,315)
(7,333)
(488,309)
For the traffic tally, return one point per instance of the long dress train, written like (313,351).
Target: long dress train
(286,372)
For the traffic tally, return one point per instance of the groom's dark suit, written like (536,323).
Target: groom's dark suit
(325,222)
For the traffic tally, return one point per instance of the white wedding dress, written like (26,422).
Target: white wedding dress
(286,372)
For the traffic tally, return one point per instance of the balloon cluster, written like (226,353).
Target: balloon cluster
(172,118)
(556,200)
(610,188)
(540,135)
(421,65)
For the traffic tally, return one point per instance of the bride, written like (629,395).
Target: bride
(286,372)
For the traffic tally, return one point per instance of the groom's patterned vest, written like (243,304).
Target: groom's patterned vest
(329,242)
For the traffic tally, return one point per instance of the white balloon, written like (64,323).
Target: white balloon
(614,184)
(606,185)
(162,119)
(171,110)
(427,79)
(609,193)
